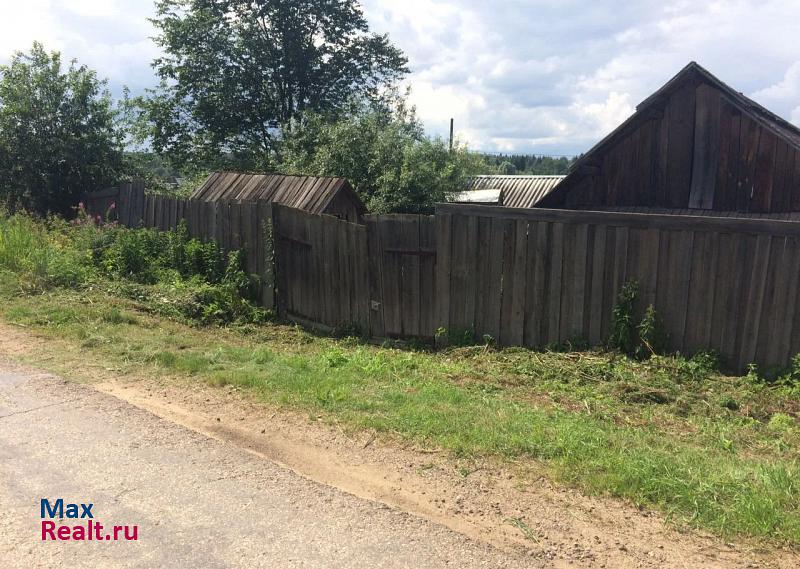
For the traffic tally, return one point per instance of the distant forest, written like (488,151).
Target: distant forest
(511,164)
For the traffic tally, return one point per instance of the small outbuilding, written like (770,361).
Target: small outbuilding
(331,196)
(514,191)
(694,147)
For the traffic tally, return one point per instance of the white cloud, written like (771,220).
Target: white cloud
(608,114)
(111,36)
(784,93)
(533,75)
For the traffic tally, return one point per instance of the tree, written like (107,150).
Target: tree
(236,71)
(507,168)
(57,135)
(381,148)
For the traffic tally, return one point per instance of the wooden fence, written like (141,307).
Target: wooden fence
(536,276)
(376,278)
(526,277)
(321,269)
(127,199)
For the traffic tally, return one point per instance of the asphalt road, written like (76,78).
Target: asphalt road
(196,501)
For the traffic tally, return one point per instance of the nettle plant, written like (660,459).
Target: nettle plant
(639,340)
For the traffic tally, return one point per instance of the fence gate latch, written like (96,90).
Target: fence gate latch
(374,304)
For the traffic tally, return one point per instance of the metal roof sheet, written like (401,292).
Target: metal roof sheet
(488,196)
(518,191)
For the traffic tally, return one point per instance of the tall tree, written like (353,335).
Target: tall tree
(235,71)
(57,132)
(382,149)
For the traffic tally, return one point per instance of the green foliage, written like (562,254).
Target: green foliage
(642,340)
(196,282)
(526,164)
(233,73)
(507,169)
(781,423)
(652,336)
(144,255)
(383,151)
(39,257)
(623,326)
(57,133)
(167,272)
(454,337)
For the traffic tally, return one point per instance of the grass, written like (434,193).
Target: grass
(708,450)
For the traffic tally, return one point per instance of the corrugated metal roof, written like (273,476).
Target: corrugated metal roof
(518,191)
(310,193)
(487,197)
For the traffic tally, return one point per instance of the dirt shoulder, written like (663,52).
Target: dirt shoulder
(507,505)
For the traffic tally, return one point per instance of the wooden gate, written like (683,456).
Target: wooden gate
(321,268)
(402,255)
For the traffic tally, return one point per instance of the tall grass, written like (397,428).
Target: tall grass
(185,278)
(38,257)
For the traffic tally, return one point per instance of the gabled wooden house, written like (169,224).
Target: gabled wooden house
(696,146)
(331,196)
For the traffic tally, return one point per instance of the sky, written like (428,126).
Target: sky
(540,76)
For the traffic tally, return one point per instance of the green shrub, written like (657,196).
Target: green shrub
(146,255)
(135,254)
(204,260)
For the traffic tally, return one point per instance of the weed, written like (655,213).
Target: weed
(651,334)
(623,328)
(526,530)
(455,337)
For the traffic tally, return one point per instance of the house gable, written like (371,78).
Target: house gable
(695,143)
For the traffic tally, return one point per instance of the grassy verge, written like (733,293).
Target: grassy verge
(710,451)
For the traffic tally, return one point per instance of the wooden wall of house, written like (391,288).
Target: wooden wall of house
(693,149)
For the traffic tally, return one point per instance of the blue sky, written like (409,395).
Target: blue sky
(544,76)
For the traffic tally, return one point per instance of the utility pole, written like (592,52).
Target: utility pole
(451,135)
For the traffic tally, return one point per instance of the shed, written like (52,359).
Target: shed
(696,146)
(517,191)
(332,196)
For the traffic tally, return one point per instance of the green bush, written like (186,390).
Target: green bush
(146,255)
(134,255)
